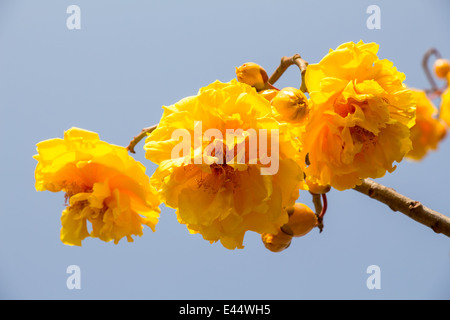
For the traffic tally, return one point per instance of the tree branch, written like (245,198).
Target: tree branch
(413,209)
(139,137)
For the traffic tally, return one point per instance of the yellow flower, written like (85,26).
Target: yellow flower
(102,183)
(445,105)
(428,130)
(224,193)
(361,116)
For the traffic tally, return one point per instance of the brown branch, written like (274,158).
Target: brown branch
(426,68)
(413,209)
(144,132)
(285,63)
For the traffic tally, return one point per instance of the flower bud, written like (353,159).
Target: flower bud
(269,94)
(441,68)
(301,221)
(253,75)
(291,104)
(276,242)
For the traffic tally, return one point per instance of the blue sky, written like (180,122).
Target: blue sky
(112,77)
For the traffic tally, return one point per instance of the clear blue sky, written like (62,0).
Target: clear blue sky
(112,76)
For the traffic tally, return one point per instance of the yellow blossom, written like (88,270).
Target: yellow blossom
(428,130)
(445,105)
(219,194)
(315,187)
(103,185)
(360,117)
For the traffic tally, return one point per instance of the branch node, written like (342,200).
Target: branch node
(436,227)
(414,205)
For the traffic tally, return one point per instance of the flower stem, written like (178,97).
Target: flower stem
(324,208)
(320,205)
(285,63)
(139,137)
(426,69)
(413,209)
(268,85)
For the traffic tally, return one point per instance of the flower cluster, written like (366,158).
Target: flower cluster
(234,157)
(224,193)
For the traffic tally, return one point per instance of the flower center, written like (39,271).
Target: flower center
(365,137)
(222,176)
(89,202)
(344,109)
(74,188)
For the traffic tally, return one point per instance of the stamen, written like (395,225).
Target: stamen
(364,136)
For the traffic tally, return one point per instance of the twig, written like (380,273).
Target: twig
(285,63)
(319,209)
(413,209)
(324,208)
(426,69)
(139,137)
